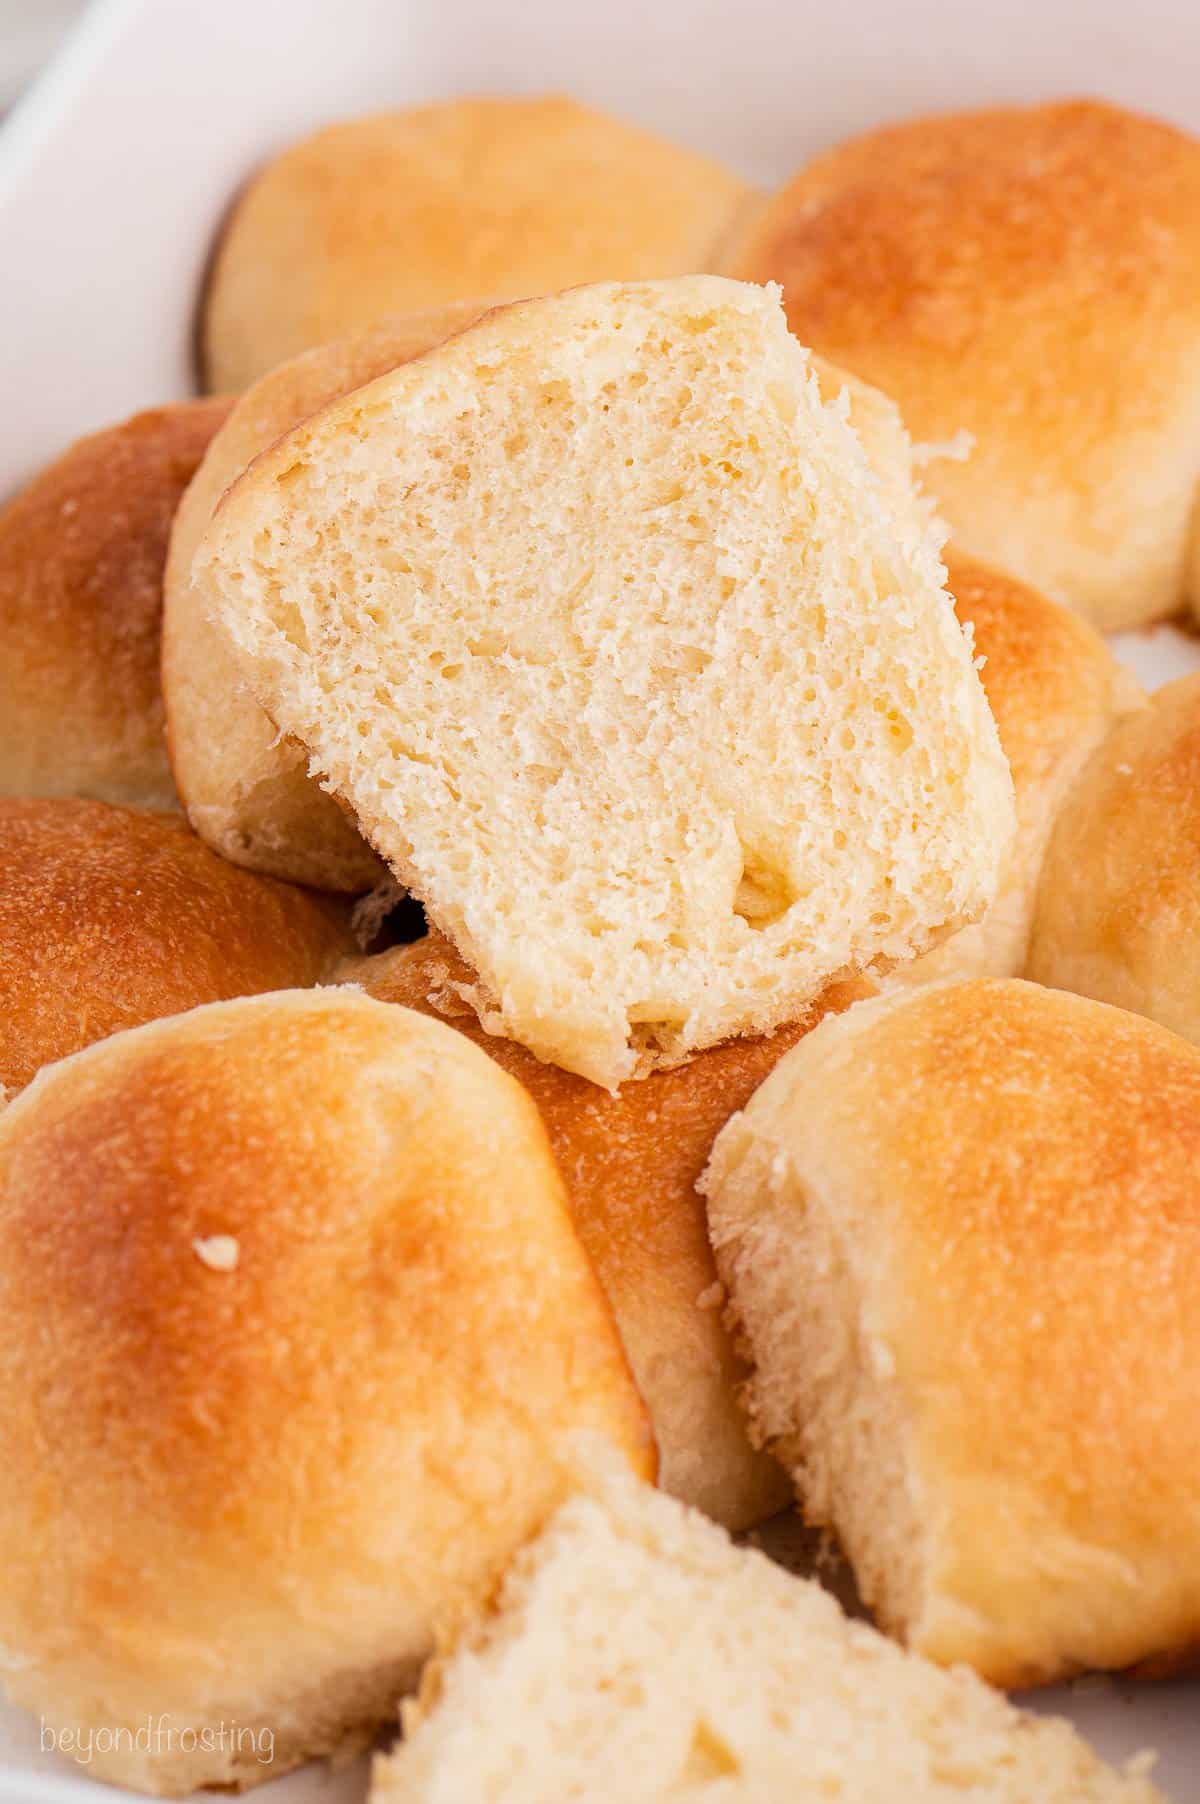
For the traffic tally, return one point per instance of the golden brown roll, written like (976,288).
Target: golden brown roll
(409,210)
(113,916)
(246,790)
(1030,275)
(295,1334)
(82,549)
(1055,690)
(961,1231)
(631,1162)
(1118,907)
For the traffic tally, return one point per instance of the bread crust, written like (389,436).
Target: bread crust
(1012,1173)
(630,1163)
(1116,909)
(110,917)
(1055,690)
(412,210)
(244,1488)
(247,790)
(82,550)
(973,267)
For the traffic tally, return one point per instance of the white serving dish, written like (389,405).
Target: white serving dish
(115,171)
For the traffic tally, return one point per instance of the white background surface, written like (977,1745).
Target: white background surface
(29,31)
(114,174)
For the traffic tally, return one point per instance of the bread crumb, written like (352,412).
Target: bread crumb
(712,1298)
(954,450)
(218,1251)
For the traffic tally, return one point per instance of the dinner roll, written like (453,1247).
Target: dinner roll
(409,210)
(113,916)
(960,1230)
(247,790)
(1030,275)
(81,573)
(294,1336)
(631,1162)
(1117,913)
(635,1654)
(602,623)
(1055,690)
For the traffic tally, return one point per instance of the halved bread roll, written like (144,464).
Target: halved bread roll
(82,549)
(295,1335)
(630,665)
(404,211)
(110,917)
(634,1654)
(630,1163)
(245,787)
(1118,908)
(960,1230)
(1030,275)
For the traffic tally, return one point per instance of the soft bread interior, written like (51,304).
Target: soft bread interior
(822,1396)
(604,624)
(638,1655)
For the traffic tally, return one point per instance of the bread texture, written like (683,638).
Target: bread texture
(295,1334)
(110,917)
(1055,691)
(636,1654)
(1116,909)
(603,624)
(246,789)
(960,1231)
(82,549)
(974,267)
(410,210)
(630,1163)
